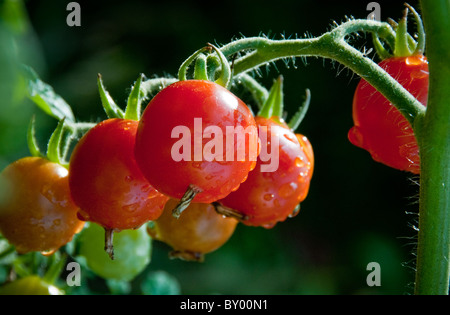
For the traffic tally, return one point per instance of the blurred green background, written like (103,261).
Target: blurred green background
(357,211)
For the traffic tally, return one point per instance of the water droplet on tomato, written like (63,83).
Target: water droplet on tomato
(128,178)
(355,137)
(413,60)
(299,161)
(269,225)
(268,197)
(295,212)
(286,190)
(131,207)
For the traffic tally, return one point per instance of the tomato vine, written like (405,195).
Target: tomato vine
(233,62)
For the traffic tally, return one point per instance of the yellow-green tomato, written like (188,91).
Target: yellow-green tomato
(132,252)
(30,285)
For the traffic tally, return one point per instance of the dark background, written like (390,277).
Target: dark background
(357,210)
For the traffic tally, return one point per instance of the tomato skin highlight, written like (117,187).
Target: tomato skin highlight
(200,230)
(270,197)
(379,127)
(106,182)
(37,212)
(180,104)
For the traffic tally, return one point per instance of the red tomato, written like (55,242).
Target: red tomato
(266,198)
(182,113)
(200,230)
(36,210)
(106,182)
(379,127)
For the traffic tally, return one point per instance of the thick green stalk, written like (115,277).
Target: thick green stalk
(433,265)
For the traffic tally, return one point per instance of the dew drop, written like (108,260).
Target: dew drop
(131,207)
(269,225)
(355,136)
(286,190)
(299,161)
(268,197)
(128,178)
(295,212)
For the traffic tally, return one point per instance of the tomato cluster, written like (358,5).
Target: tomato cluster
(194,153)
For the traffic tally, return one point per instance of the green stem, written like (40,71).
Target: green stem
(331,45)
(433,264)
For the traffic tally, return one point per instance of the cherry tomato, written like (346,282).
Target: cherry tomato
(132,252)
(106,182)
(187,109)
(37,212)
(200,230)
(266,198)
(30,285)
(379,127)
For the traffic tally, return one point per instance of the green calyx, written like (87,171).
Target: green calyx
(141,90)
(273,104)
(404,45)
(209,64)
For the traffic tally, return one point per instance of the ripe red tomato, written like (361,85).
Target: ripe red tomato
(106,182)
(379,127)
(196,114)
(266,198)
(36,210)
(200,230)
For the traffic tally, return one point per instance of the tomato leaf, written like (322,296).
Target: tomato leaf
(45,97)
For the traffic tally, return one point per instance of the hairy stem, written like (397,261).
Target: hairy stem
(433,265)
(331,45)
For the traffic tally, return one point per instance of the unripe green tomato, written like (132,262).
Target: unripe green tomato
(132,252)
(30,285)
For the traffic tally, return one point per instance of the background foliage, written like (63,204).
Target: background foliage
(357,211)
